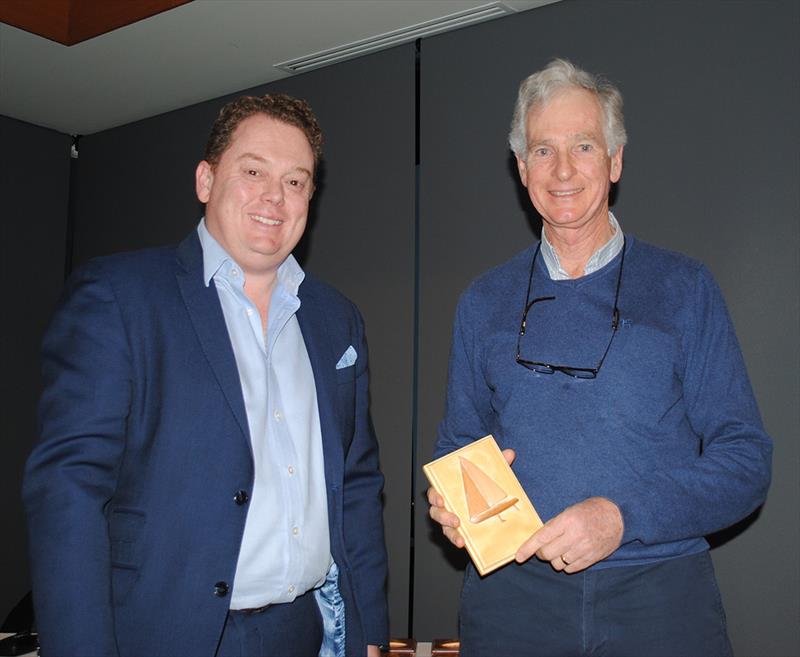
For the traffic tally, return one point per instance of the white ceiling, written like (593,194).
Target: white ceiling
(199,51)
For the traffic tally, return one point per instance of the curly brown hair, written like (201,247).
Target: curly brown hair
(282,107)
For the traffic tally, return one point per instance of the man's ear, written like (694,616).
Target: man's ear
(616,165)
(203,181)
(522,167)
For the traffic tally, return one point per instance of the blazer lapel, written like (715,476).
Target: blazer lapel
(205,312)
(315,330)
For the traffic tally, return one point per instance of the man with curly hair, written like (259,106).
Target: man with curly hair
(207,481)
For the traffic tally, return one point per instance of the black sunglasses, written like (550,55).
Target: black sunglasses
(549,368)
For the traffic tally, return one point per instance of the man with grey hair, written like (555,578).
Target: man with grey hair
(609,371)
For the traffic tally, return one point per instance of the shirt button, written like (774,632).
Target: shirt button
(234,273)
(291,588)
(249,312)
(278,416)
(295,531)
(291,469)
(221,589)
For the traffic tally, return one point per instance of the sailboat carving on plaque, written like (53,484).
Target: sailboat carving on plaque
(485,498)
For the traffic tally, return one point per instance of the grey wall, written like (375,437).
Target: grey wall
(711,169)
(34,187)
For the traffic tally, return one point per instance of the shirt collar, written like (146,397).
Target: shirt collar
(216,261)
(598,260)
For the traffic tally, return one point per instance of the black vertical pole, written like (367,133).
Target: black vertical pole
(69,241)
(415,375)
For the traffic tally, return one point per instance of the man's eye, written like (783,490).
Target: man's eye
(252,172)
(584,148)
(541,152)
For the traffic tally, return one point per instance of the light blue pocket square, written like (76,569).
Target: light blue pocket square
(347,359)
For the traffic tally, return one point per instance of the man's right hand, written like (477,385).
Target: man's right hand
(449,521)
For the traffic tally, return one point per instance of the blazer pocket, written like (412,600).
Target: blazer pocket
(346,374)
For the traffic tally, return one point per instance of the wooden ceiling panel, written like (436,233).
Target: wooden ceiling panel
(71,21)
(47,18)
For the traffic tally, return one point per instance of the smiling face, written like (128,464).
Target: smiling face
(257,195)
(567,171)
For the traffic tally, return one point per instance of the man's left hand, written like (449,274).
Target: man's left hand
(373,651)
(578,537)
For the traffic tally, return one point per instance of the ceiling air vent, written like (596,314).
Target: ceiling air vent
(395,37)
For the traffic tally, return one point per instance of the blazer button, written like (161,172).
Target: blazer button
(241,497)
(221,589)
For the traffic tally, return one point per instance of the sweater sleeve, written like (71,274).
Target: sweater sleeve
(467,409)
(731,475)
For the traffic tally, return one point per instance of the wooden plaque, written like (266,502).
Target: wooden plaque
(495,513)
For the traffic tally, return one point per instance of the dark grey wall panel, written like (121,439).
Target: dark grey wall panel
(136,189)
(34,186)
(711,169)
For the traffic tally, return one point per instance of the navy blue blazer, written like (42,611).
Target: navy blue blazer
(144,444)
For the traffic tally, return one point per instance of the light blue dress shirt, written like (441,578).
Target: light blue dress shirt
(285,550)
(599,259)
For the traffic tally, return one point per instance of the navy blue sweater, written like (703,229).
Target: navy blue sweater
(669,430)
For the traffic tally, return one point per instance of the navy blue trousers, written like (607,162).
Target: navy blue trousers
(667,609)
(283,630)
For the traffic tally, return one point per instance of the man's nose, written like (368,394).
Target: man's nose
(565,167)
(272,191)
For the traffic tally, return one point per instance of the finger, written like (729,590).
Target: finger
(540,543)
(576,566)
(555,540)
(443,517)
(434,498)
(531,546)
(509,455)
(580,563)
(453,536)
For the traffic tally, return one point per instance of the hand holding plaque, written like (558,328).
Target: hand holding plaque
(495,514)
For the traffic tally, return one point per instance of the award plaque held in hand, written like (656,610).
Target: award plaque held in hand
(495,513)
